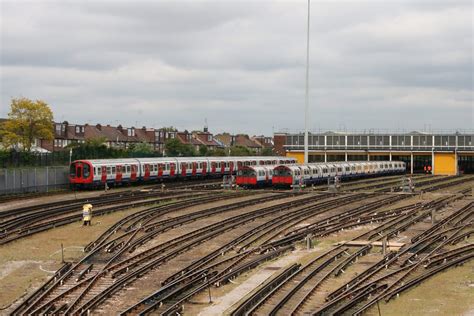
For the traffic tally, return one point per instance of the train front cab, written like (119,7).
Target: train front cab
(283,176)
(80,174)
(246,177)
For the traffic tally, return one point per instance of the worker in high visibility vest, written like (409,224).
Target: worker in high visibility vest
(86,214)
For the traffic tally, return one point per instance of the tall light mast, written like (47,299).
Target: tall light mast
(307,94)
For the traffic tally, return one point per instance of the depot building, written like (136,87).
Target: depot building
(445,153)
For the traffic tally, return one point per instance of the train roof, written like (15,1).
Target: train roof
(108,161)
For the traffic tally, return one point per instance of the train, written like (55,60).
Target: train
(307,174)
(98,173)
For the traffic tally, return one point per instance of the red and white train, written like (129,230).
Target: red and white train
(307,174)
(95,173)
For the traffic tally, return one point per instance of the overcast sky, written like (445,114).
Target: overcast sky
(241,64)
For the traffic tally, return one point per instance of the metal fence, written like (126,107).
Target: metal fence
(24,180)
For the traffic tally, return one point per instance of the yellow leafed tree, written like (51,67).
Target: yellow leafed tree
(28,120)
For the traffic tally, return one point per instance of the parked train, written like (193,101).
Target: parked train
(94,173)
(288,175)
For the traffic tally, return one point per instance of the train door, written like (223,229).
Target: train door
(222,167)
(204,168)
(172,169)
(118,175)
(160,170)
(79,170)
(133,175)
(183,169)
(194,168)
(104,174)
(147,171)
(231,167)
(213,167)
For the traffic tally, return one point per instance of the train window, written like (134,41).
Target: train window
(86,171)
(333,170)
(218,165)
(113,170)
(348,169)
(128,168)
(99,170)
(189,166)
(155,168)
(325,170)
(109,170)
(95,171)
(339,169)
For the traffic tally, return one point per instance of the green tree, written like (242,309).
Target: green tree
(174,148)
(142,148)
(203,151)
(218,152)
(267,152)
(240,151)
(27,120)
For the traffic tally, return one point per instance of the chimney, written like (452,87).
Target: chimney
(99,127)
(206,129)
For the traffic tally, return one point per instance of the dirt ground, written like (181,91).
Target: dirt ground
(447,293)
(28,262)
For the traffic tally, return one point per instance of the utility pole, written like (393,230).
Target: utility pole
(307,93)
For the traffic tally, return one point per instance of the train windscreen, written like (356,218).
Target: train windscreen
(281,172)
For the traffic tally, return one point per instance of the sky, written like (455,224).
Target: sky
(240,65)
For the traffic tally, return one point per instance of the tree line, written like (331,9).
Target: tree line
(29,120)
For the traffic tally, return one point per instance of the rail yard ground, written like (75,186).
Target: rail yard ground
(161,252)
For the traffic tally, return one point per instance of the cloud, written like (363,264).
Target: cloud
(241,64)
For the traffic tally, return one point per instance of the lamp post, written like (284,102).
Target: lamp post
(307,92)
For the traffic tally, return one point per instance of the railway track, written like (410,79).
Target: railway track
(37,221)
(294,290)
(239,236)
(101,277)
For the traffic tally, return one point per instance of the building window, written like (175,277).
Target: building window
(209,138)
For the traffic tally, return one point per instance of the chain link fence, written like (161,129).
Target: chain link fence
(43,179)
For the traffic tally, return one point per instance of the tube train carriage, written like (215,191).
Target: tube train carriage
(94,173)
(287,175)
